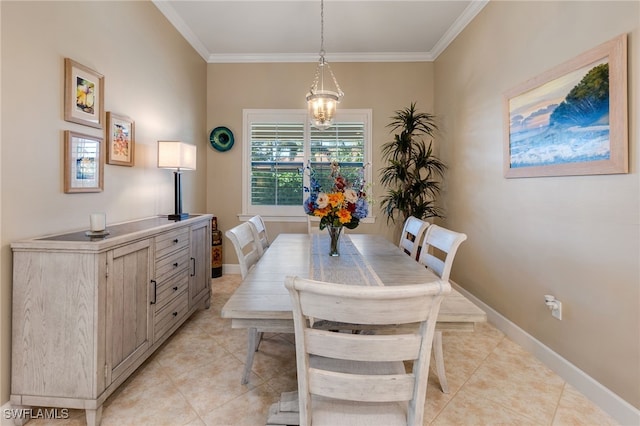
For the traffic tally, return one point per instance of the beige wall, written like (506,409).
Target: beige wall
(574,237)
(383,87)
(151,74)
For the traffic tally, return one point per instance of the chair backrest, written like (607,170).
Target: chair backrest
(444,240)
(411,236)
(392,305)
(247,247)
(313,225)
(261,231)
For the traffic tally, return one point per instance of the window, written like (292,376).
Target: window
(279,144)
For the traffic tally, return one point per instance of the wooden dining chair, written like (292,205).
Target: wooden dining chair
(261,231)
(246,246)
(360,379)
(313,225)
(438,239)
(411,236)
(248,250)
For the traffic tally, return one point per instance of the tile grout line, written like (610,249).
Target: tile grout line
(453,397)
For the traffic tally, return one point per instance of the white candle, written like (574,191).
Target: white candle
(98,222)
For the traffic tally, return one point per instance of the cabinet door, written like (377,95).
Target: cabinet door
(128,306)
(199,280)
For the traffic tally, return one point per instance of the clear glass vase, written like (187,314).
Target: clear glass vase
(334,234)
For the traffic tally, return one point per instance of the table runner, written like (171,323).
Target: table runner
(348,268)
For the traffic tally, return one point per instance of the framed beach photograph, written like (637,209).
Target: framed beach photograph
(571,120)
(120,140)
(83,94)
(83,164)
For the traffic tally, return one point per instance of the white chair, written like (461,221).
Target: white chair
(447,242)
(261,231)
(249,251)
(360,379)
(313,225)
(411,236)
(247,247)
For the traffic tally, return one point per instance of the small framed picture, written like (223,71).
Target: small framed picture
(120,140)
(83,94)
(83,164)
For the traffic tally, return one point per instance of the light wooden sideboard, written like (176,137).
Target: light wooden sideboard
(87,312)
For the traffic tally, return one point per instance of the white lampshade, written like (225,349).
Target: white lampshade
(176,155)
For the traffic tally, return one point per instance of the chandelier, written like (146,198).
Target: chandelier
(320,101)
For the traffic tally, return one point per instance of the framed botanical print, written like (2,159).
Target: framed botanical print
(83,163)
(571,120)
(83,94)
(120,140)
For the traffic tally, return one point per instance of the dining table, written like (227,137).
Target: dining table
(261,303)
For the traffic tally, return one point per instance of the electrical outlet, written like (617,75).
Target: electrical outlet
(556,312)
(554,305)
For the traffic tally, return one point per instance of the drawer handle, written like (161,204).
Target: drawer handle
(175,314)
(193,264)
(175,265)
(175,288)
(155,292)
(175,241)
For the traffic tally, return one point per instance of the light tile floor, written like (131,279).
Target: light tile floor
(194,379)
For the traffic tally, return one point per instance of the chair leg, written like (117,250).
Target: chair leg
(439,358)
(252,347)
(259,339)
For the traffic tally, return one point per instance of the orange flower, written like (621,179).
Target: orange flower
(322,212)
(336,199)
(344,216)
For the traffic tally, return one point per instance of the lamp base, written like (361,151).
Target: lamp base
(180,216)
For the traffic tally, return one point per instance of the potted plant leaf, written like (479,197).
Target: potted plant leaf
(412,174)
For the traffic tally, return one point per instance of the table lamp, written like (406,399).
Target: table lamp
(178,156)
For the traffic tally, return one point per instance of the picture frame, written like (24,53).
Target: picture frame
(120,140)
(83,94)
(83,163)
(572,119)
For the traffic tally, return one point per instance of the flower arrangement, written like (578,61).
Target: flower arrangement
(345,205)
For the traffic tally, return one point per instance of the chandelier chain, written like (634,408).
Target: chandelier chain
(323,62)
(321,102)
(322,28)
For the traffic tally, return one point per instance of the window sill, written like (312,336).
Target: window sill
(244,217)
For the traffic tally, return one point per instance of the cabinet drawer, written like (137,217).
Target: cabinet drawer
(172,264)
(171,242)
(168,289)
(170,315)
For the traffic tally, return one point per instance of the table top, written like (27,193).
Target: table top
(364,259)
(116,234)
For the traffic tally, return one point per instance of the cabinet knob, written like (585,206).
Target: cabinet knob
(175,241)
(175,314)
(175,265)
(175,288)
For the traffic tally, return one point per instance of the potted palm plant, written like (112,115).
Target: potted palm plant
(412,174)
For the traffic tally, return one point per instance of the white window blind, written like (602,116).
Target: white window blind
(277,157)
(279,145)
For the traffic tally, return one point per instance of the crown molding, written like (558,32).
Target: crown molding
(463,20)
(172,16)
(314,57)
(460,24)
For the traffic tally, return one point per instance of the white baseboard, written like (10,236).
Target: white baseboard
(6,419)
(612,404)
(231,268)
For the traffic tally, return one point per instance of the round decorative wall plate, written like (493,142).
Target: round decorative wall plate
(221,139)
